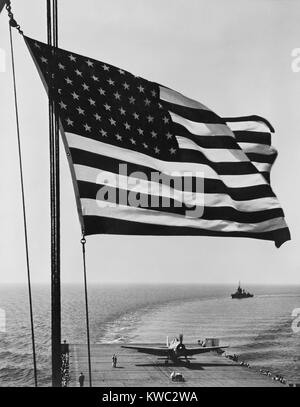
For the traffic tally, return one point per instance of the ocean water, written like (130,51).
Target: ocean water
(258,329)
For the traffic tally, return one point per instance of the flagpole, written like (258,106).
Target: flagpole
(54,210)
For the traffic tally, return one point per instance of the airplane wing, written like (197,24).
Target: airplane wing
(150,351)
(203,349)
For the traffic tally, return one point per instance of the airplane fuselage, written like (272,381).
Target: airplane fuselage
(177,350)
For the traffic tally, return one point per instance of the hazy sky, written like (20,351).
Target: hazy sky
(234,56)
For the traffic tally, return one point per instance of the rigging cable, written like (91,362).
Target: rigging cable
(83,242)
(13,23)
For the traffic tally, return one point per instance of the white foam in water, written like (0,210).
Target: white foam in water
(2,320)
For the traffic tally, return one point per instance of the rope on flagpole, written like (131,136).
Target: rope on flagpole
(23,197)
(83,242)
(12,21)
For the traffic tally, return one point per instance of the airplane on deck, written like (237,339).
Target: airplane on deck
(175,350)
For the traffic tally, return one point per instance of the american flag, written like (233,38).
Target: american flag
(111,118)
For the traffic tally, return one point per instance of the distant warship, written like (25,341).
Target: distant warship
(241,293)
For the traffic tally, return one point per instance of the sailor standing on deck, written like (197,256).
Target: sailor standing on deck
(81,379)
(114,360)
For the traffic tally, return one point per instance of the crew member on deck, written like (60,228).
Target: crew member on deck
(81,379)
(114,360)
